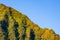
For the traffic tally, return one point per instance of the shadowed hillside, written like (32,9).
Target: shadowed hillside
(17,26)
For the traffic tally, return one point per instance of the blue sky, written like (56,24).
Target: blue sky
(45,13)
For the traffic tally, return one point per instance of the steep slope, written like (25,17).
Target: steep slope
(17,26)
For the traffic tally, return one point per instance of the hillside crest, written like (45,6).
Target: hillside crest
(16,26)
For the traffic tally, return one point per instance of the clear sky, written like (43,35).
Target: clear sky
(45,13)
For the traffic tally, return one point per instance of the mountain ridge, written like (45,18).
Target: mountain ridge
(16,26)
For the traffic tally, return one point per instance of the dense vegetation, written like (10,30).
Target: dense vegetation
(17,26)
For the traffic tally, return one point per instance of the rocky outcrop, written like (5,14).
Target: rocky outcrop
(16,26)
